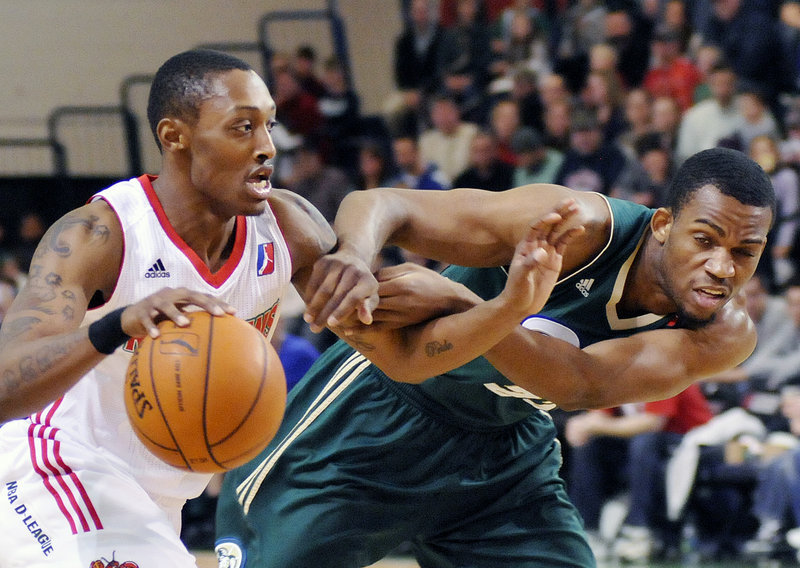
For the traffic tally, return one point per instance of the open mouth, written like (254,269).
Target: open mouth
(711,297)
(260,183)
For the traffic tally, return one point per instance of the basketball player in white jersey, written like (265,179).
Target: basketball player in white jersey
(209,232)
(77,487)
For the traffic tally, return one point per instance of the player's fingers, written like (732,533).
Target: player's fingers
(568,237)
(212,305)
(356,296)
(323,294)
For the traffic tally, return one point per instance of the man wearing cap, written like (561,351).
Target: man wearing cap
(589,163)
(536,163)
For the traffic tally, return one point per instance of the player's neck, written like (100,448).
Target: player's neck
(643,292)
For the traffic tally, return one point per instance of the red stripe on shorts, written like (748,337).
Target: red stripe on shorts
(73,501)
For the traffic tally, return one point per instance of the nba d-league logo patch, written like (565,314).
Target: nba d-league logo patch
(230,554)
(266,259)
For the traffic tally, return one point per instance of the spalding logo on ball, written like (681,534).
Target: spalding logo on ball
(207,397)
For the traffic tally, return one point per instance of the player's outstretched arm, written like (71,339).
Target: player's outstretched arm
(418,352)
(44,350)
(462,226)
(647,366)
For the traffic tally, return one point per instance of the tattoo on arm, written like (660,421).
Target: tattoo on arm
(434,348)
(31,367)
(98,232)
(17,327)
(360,344)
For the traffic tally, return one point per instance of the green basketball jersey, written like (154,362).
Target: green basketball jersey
(582,309)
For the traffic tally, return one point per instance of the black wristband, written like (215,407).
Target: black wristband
(106,333)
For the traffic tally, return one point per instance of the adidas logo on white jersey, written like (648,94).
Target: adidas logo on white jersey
(584,286)
(157,270)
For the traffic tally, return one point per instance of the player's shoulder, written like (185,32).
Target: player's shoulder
(732,330)
(307,233)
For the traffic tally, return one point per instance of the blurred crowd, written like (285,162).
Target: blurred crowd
(608,96)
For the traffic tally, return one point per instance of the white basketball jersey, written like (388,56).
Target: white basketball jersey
(253,280)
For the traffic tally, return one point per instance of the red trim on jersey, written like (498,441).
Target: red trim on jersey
(216,279)
(48,463)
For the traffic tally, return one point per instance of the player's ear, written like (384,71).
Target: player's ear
(661,224)
(171,134)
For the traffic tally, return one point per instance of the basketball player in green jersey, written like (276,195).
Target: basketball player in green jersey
(464,463)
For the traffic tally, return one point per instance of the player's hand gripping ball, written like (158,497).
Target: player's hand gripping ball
(207,397)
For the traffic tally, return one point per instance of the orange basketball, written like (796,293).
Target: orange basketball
(207,397)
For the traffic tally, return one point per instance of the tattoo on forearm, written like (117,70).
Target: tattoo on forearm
(31,367)
(434,348)
(361,345)
(18,326)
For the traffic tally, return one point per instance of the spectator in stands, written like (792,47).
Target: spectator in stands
(485,170)
(464,59)
(638,120)
(676,17)
(672,74)
(523,43)
(340,108)
(789,28)
(504,22)
(374,166)
(557,125)
(31,229)
(447,142)
(605,95)
(299,112)
(323,185)
(582,26)
(646,179)
(629,33)
(790,146)
(626,449)
(603,57)
(416,56)
(786,181)
(706,58)
(504,120)
(413,173)
(553,89)
(304,67)
(590,164)
(10,270)
(536,163)
(750,39)
(711,120)
(525,92)
(776,497)
(758,120)
(667,121)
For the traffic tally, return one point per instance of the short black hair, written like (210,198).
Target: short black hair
(730,171)
(183,81)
